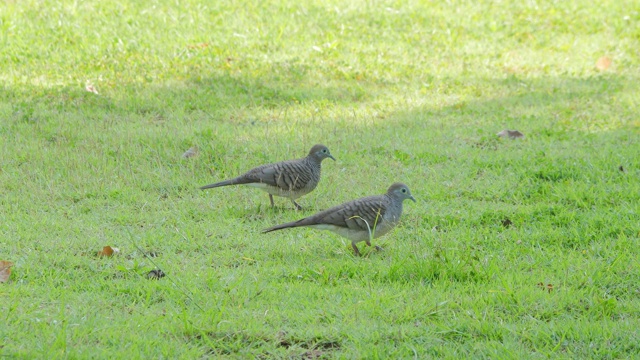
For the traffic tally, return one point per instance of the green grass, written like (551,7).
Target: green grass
(399,91)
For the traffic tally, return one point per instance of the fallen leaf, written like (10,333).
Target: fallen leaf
(506,222)
(603,63)
(548,287)
(155,274)
(621,168)
(512,134)
(5,270)
(108,251)
(200,45)
(192,152)
(91,88)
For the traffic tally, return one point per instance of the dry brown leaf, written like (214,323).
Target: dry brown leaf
(511,134)
(192,152)
(621,168)
(108,251)
(91,88)
(603,63)
(5,270)
(548,287)
(198,46)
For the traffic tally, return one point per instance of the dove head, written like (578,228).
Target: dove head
(400,191)
(320,152)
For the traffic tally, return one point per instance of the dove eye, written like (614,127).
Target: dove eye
(404,191)
(324,150)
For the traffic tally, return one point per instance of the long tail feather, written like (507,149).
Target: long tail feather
(235,181)
(282,226)
(218,184)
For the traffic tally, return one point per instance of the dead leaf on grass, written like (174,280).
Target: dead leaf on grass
(5,270)
(91,88)
(511,134)
(506,222)
(192,152)
(604,63)
(548,287)
(621,168)
(108,251)
(198,46)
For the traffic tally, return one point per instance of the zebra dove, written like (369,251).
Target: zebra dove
(291,179)
(359,220)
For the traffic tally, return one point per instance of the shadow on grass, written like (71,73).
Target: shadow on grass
(593,103)
(481,100)
(216,97)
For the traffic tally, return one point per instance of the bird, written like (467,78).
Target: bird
(291,179)
(359,220)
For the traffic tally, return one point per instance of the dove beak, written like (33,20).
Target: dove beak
(412,198)
(331,157)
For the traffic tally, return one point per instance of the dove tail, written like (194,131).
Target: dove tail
(218,184)
(235,181)
(282,226)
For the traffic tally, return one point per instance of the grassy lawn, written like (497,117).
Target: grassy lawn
(525,248)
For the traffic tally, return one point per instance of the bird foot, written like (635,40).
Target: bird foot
(379,248)
(355,250)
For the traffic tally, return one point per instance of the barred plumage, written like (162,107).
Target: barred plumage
(361,219)
(291,179)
